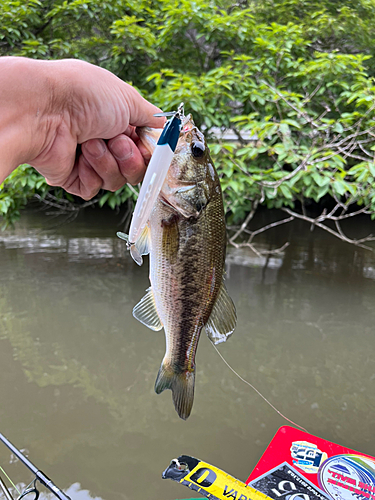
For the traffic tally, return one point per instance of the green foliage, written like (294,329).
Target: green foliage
(294,75)
(346,26)
(21,186)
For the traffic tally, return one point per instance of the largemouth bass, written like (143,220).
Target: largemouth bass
(186,239)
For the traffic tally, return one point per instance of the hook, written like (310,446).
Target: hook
(179,113)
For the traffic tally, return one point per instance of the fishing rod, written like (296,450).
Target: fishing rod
(5,490)
(39,475)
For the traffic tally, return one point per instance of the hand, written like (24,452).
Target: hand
(83,136)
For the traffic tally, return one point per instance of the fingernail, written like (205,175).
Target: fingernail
(96,148)
(121,149)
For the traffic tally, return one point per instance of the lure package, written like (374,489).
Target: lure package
(295,466)
(298,464)
(209,481)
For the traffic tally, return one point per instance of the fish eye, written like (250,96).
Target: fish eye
(197,149)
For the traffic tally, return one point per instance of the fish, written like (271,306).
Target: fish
(185,238)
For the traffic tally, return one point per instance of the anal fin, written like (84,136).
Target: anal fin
(145,312)
(223,318)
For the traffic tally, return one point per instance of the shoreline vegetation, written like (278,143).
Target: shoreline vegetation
(291,80)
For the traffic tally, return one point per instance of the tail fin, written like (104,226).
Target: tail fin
(181,383)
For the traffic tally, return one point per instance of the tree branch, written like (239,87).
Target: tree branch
(338,233)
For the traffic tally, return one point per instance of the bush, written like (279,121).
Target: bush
(306,100)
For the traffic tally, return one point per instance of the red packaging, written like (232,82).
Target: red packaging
(299,466)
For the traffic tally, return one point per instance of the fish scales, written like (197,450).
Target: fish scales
(186,239)
(186,276)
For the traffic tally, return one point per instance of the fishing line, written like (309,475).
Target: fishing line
(256,390)
(9,479)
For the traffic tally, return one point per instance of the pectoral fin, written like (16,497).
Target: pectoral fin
(140,247)
(145,312)
(222,322)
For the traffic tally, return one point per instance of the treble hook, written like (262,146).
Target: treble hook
(179,113)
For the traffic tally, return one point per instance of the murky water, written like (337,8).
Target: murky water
(77,371)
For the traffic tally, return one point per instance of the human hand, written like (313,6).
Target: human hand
(84,128)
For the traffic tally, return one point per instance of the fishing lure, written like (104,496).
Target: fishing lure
(155,175)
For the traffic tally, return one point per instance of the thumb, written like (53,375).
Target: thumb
(141,111)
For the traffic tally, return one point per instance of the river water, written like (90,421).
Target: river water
(77,371)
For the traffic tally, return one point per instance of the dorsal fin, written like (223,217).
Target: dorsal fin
(145,312)
(222,322)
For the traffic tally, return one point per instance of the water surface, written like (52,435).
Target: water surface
(77,371)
